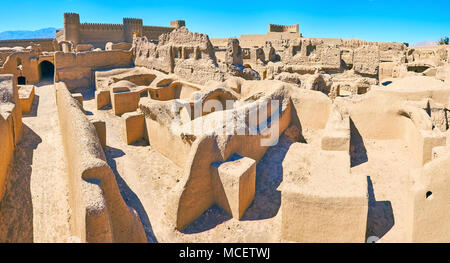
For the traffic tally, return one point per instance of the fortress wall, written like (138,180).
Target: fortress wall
(46,43)
(99,214)
(75,69)
(283,28)
(153,32)
(10,124)
(100,34)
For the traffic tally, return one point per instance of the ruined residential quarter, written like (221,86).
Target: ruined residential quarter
(103,141)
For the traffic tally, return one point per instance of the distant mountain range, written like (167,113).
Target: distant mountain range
(427,43)
(24,34)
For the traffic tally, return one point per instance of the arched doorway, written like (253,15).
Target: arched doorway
(47,70)
(21,80)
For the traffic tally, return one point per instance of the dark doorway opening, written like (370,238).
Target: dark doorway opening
(21,80)
(47,70)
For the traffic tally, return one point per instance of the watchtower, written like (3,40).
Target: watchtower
(72,27)
(131,26)
(177,23)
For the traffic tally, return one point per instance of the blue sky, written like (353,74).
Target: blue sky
(375,20)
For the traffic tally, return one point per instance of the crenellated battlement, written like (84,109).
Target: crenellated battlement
(99,26)
(98,34)
(284,28)
(71,18)
(135,21)
(177,23)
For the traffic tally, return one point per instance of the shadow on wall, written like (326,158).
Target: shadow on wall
(44,83)
(380,218)
(269,175)
(34,107)
(130,198)
(358,152)
(267,201)
(212,217)
(16,208)
(87,92)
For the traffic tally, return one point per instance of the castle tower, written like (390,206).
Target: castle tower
(177,23)
(72,27)
(131,26)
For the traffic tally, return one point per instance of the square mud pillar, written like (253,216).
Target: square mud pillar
(102,98)
(321,218)
(26,97)
(234,184)
(337,134)
(321,201)
(125,102)
(133,127)
(100,127)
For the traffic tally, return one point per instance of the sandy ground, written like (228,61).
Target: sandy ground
(36,208)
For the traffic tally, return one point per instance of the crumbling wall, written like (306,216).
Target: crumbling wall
(45,44)
(23,63)
(366,60)
(188,55)
(195,194)
(99,214)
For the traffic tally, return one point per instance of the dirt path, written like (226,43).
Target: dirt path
(37,184)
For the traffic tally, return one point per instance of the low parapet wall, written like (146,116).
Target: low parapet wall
(46,44)
(99,214)
(10,124)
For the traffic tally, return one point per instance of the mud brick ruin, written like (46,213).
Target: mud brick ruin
(133,133)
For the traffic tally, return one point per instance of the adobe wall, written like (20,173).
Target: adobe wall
(153,32)
(46,44)
(28,59)
(76,69)
(194,194)
(189,55)
(10,125)
(99,214)
(283,28)
(99,34)
(431,207)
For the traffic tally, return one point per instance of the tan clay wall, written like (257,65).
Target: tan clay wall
(46,44)
(431,206)
(100,34)
(75,69)
(196,192)
(30,66)
(10,125)
(153,32)
(99,213)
